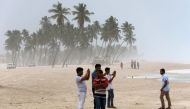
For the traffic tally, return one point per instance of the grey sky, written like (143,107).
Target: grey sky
(162,26)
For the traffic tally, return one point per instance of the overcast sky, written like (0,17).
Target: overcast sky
(162,26)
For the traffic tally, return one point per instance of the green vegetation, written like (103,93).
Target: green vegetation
(64,43)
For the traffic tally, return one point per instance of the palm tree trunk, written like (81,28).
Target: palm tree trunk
(67,57)
(91,53)
(117,51)
(104,49)
(40,57)
(13,56)
(45,57)
(118,55)
(101,48)
(55,56)
(34,55)
(57,47)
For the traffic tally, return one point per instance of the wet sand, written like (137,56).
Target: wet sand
(47,88)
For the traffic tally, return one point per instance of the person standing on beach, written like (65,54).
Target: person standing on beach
(135,64)
(81,85)
(131,64)
(121,65)
(100,84)
(97,67)
(110,78)
(138,64)
(164,91)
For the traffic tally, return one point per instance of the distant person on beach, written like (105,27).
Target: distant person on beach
(132,64)
(121,65)
(100,84)
(138,66)
(110,78)
(97,67)
(81,85)
(164,91)
(135,64)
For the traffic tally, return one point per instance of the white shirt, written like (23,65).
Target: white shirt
(163,79)
(81,85)
(109,76)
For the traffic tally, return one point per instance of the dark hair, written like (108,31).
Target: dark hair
(79,69)
(162,70)
(107,69)
(100,71)
(97,65)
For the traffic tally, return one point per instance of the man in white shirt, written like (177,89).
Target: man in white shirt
(110,78)
(81,85)
(164,90)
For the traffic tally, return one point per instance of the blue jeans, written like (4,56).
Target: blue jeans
(110,97)
(93,91)
(100,102)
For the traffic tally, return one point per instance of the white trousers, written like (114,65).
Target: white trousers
(81,96)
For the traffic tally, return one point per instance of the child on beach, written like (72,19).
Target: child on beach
(110,78)
(164,90)
(82,88)
(100,84)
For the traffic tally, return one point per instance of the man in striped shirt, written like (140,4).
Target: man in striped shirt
(100,84)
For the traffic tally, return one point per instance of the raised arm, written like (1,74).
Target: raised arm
(114,74)
(86,76)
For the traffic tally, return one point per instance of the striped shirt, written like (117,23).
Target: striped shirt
(100,92)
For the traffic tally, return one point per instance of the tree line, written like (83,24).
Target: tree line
(64,43)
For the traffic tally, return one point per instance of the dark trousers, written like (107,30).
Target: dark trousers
(93,91)
(110,97)
(100,102)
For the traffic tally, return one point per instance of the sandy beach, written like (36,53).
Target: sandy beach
(47,88)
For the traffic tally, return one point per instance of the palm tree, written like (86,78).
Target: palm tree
(45,34)
(110,33)
(96,29)
(13,43)
(59,13)
(31,44)
(128,33)
(129,38)
(60,16)
(69,41)
(81,15)
(25,35)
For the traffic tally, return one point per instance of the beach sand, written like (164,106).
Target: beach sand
(47,88)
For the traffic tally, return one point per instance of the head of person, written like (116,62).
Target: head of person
(100,73)
(162,71)
(98,67)
(107,70)
(79,71)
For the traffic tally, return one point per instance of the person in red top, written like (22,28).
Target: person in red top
(100,84)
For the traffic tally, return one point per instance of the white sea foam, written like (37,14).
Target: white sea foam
(174,75)
(183,71)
